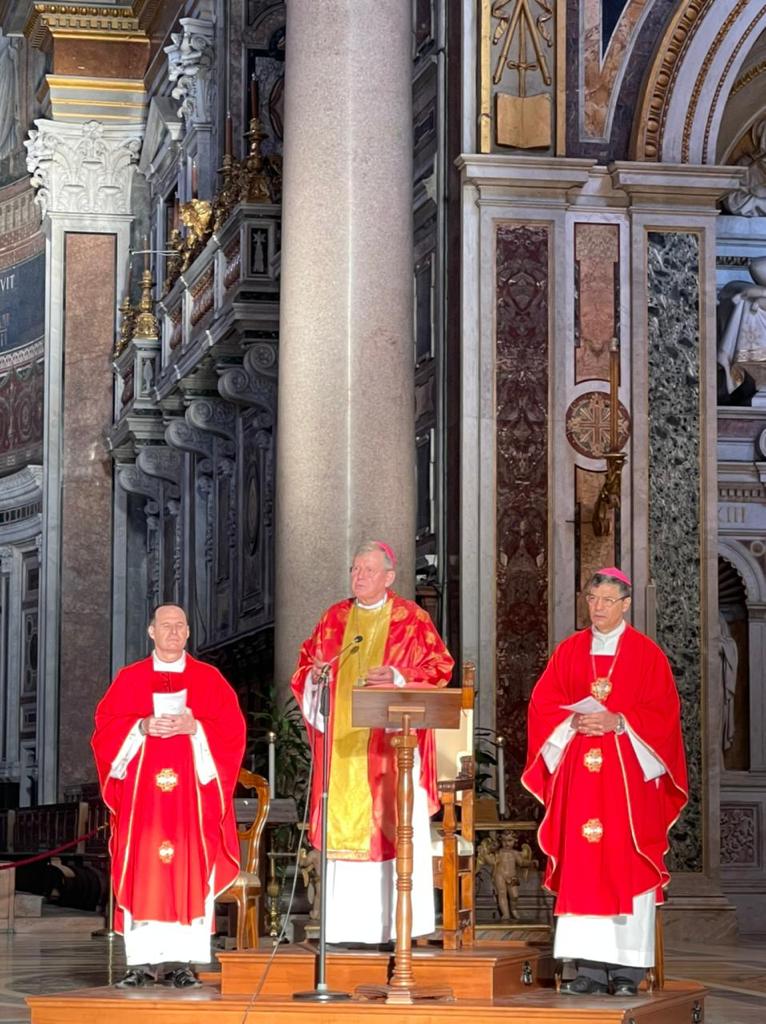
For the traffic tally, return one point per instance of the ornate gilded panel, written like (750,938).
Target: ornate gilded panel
(518,91)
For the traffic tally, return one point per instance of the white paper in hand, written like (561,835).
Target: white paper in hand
(586,706)
(169,703)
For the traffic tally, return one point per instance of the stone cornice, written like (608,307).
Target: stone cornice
(41,22)
(46,21)
(543,173)
(686,184)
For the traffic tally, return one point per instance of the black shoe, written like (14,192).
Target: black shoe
(624,987)
(582,986)
(182,977)
(137,977)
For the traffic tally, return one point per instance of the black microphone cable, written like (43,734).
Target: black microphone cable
(286,920)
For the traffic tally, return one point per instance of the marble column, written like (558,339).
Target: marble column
(345,449)
(83,175)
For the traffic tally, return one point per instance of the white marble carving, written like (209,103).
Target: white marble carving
(190,61)
(749,200)
(742,340)
(84,168)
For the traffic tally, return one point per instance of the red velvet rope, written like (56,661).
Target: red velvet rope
(51,853)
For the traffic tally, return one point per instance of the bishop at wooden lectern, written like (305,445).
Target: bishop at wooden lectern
(400,646)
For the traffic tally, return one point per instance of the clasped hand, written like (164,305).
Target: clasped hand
(596,724)
(171,725)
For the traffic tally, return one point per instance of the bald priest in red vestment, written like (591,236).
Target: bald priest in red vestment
(399,646)
(606,759)
(168,743)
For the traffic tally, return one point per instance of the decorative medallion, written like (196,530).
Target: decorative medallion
(594,759)
(587,424)
(593,830)
(166,780)
(167,851)
(600,688)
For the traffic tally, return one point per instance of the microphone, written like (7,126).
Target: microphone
(353,643)
(324,675)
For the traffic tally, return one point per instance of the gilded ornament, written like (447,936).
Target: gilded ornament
(522,120)
(594,759)
(593,830)
(600,688)
(253,181)
(663,76)
(145,324)
(166,851)
(166,780)
(174,262)
(127,321)
(197,215)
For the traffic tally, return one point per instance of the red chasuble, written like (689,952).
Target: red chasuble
(605,829)
(168,830)
(415,649)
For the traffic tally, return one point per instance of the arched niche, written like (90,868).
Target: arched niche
(698,67)
(741,579)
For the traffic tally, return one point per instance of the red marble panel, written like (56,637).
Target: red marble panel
(86,498)
(522,286)
(592,552)
(597,253)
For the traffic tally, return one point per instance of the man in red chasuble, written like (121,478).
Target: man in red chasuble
(168,743)
(606,760)
(400,646)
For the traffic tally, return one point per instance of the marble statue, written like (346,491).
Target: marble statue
(749,200)
(742,331)
(729,656)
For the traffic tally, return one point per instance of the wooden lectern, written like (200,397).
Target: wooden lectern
(386,707)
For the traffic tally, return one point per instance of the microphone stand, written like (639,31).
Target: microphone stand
(322,994)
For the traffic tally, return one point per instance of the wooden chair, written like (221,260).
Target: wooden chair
(453,842)
(245,890)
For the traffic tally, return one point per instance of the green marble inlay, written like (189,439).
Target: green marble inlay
(674,497)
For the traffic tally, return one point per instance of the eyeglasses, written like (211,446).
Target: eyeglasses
(366,574)
(608,601)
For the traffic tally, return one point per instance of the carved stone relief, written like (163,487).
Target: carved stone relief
(740,835)
(84,168)
(191,58)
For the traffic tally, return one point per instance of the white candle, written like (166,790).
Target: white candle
(501,776)
(272,738)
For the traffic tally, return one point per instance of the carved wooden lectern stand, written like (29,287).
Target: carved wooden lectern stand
(405,708)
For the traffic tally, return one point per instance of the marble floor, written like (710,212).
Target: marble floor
(40,963)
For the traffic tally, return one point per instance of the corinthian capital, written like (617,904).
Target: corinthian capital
(190,61)
(84,168)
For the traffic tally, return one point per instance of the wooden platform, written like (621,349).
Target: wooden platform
(679,1003)
(497,983)
(486,972)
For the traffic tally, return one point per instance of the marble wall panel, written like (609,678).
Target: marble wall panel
(86,501)
(591,552)
(597,254)
(673,296)
(522,313)
(590,83)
